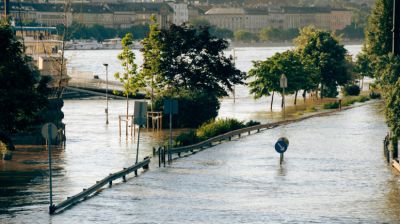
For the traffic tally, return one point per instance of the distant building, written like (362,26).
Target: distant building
(282,18)
(242,19)
(321,17)
(118,15)
(181,12)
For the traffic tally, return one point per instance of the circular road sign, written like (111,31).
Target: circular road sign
(53,131)
(281,145)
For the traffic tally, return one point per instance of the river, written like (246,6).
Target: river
(334,169)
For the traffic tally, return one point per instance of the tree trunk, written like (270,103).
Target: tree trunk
(322,90)
(272,100)
(283,98)
(295,97)
(304,95)
(127,114)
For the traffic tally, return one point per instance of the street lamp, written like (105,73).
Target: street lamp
(106,65)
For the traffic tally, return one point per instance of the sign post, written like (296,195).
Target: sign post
(139,119)
(170,107)
(283,85)
(49,132)
(281,146)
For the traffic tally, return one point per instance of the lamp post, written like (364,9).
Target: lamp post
(106,65)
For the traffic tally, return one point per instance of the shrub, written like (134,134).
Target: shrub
(188,138)
(3,148)
(252,123)
(332,105)
(374,95)
(351,90)
(218,127)
(194,109)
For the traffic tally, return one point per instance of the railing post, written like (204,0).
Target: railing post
(159,156)
(146,167)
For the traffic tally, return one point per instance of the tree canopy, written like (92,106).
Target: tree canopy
(22,91)
(192,59)
(321,50)
(265,75)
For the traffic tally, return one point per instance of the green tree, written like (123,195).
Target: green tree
(378,34)
(189,66)
(193,59)
(321,50)
(130,79)
(266,74)
(245,36)
(23,94)
(151,59)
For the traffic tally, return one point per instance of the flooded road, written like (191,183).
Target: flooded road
(334,172)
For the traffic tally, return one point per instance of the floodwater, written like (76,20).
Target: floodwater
(334,170)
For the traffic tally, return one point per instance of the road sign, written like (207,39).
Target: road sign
(170,106)
(281,145)
(283,81)
(53,131)
(140,112)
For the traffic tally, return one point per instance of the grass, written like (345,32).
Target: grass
(347,102)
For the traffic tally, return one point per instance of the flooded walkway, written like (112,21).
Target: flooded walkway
(334,172)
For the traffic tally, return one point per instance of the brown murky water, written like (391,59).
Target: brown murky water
(334,172)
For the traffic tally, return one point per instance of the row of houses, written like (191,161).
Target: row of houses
(283,18)
(124,15)
(113,15)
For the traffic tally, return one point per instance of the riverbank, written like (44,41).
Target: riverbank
(235,44)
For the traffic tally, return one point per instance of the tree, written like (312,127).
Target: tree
(245,36)
(151,58)
(266,75)
(193,59)
(320,49)
(188,64)
(378,34)
(22,91)
(130,79)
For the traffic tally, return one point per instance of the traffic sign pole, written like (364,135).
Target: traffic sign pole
(281,159)
(50,171)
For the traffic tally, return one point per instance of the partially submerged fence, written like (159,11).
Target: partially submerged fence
(99,184)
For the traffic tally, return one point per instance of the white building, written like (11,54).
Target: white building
(181,12)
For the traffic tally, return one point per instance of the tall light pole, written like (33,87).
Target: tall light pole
(106,65)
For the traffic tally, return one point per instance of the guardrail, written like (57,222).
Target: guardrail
(239,132)
(226,136)
(99,184)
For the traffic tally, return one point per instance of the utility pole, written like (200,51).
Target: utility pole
(106,65)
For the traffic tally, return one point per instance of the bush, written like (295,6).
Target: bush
(374,95)
(194,109)
(362,99)
(252,123)
(188,138)
(218,127)
(332,105)
(351,90)
(211,129)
